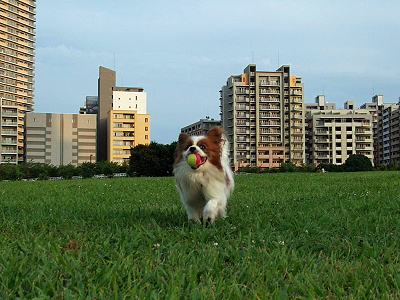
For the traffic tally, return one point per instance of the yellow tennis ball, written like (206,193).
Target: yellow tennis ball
(193,160)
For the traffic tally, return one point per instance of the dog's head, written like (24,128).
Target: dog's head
(208,147)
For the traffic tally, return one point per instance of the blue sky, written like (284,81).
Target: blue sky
(182,52)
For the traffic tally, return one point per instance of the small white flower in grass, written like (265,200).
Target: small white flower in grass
(282,243)
(156,245)
(215,244)
(307,231)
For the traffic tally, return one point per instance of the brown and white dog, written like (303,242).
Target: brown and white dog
(205,188)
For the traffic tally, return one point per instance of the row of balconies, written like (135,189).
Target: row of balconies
(271,107)
(268,82)
(269,91)
(269,99)
(268,115)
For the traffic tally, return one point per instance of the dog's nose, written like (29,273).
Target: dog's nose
(192,149)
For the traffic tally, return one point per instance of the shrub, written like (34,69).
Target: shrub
(357,163)
(10,172)
(288,167)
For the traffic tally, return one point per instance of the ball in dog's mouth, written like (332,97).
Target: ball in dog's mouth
(195,160)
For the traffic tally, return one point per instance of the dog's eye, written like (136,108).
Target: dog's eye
(202,147)
(188,146)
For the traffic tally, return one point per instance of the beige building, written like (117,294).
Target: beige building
(126,129)
(201,127)
(333,134)
(387,141)
(395,136)
(122,119)
(263,115)
(60,139)
(376,108)
(17,38)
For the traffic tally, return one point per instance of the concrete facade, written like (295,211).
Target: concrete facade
(126,129)
(334,134)
(122,119)
(201,127)
(60,139)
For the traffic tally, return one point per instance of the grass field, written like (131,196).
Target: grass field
(287,236)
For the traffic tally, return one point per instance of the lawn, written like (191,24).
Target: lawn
(287,236)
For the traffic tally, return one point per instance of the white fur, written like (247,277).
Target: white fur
(204,191)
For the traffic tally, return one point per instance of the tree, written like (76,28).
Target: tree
(152,160)
(357,163)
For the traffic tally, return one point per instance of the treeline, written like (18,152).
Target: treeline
(354,163)
(156,160)
(43,171)
(153,160)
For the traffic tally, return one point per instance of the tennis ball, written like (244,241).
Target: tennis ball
(193,160)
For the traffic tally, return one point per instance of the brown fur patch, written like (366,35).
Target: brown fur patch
(183,142)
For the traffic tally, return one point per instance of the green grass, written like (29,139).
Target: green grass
(287,236)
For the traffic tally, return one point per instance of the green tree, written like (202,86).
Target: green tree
(357,163)
(152,160)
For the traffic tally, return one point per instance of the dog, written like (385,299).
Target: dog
(205,187)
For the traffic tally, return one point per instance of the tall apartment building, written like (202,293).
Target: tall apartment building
(122,119)
(201,127)
(262,113)
(17,38)
(60,139)
(333,134)
(376,108)
(395,136)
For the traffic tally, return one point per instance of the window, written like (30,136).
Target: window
(146,120)
(146,137)
(146,128)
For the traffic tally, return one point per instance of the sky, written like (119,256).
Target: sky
(182,52)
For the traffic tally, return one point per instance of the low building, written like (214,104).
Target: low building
(201,127)
(60,139)
(334,134)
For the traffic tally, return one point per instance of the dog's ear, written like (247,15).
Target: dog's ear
(215,134)
(183,137)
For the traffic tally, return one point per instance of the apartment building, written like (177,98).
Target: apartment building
(376,108)
(201,127)
(395,136)
(60,139)
(122,119)
(333,134)
(17,38)
(126,129)
(262,113)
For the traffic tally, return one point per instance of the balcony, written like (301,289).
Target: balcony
(266,115)
(270,107)
(242,107)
